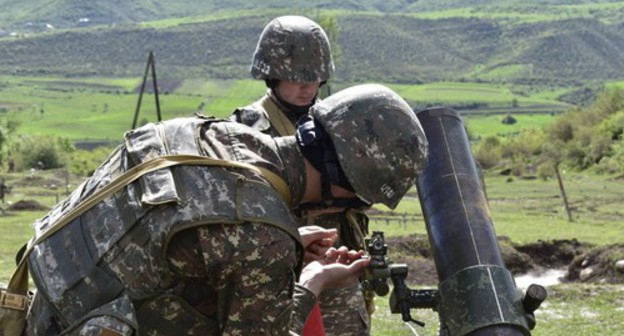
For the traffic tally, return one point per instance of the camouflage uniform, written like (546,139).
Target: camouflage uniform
(359,130)
(183,250)
(344,310)
(208,246)
(256,116)
(296,49)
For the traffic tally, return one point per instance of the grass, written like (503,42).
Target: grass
(451,92)
(524,210)
(15,231)
(100,108)
(531,210)
(491,125)
(528,211)
(571,309)
(525,13)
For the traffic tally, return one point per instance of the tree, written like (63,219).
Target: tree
(330,25)
(586,136)
(514,103)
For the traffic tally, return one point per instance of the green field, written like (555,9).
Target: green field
(526,211)
(103,108)
(527,13)
(571,309)
(529,210)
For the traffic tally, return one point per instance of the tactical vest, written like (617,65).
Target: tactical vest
(113,253)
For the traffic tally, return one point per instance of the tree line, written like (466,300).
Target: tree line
(582,138)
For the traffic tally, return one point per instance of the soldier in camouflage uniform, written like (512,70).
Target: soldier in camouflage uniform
(186,228)
(293,57)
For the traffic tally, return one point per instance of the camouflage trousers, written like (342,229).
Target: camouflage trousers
(240,276)
(344,312)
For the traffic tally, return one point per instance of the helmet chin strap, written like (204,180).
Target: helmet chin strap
(317,148)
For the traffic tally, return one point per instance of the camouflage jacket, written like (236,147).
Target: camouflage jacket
(268,116)
(111,254)
(351,228)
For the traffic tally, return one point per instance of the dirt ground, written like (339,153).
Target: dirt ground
(27,205)
(583,262)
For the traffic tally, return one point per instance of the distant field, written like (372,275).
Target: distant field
(528,210)
(489,125)
(103,108)
(526,13)
(517,13)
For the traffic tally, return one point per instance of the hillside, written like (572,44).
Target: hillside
(33,14)
(389,48)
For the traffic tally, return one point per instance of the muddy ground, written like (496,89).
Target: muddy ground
(583,261)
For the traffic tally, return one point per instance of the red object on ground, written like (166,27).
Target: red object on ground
(314,324)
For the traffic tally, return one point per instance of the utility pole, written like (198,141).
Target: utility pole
(151,64)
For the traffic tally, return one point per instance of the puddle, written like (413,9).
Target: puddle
(545,278)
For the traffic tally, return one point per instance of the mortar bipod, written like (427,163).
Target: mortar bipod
(403,299)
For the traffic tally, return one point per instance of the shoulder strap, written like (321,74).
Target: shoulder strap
(278,119)
(19,281)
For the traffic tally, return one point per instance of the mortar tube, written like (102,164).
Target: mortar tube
(461,232)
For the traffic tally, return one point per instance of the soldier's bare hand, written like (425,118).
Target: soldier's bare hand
(340,269)
(315,234)
(316,241)
(342,255)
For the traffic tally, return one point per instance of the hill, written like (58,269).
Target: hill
(33,14)
(394,48)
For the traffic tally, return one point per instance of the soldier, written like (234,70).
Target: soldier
(186,227)
(293,57)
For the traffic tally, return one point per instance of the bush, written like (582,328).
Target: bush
(40,152)
(488,152)
(84,162)
(525,147)
(613,163)
(546,171)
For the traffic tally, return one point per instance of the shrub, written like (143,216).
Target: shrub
(84,162)
(488,152)
(546,171)
(615,162)
(40,152)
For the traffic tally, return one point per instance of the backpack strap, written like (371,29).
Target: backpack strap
(278,119)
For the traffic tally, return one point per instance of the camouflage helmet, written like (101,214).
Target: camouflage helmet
(380,143)
(295,49)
